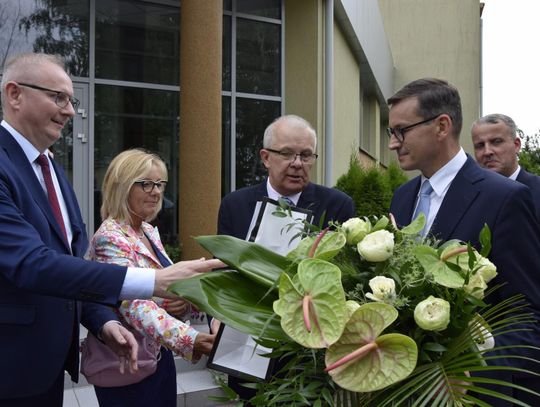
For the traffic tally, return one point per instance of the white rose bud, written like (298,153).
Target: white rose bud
(377,246)
(355,230)
(476,286)
(383,288)
(487,269)
(432,314)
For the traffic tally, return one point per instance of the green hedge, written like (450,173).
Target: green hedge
(371,188)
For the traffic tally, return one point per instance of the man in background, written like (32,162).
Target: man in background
(288,153)
(496,147)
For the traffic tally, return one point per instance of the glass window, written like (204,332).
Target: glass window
(53,26)
(138,118)
(137,41)
(226,145)
(258,65)
(263,8)
(227,5)
(227,44)
(252,117)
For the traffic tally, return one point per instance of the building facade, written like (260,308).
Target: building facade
(197,81)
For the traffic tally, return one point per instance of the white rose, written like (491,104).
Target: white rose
(383,288)
(487,269)
(355,229)
(476,286)
(432,314)
(377,246)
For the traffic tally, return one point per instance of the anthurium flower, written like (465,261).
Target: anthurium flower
(355,230)
(377,246)
(383,289)
(432,314)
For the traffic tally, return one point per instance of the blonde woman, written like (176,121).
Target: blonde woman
(132,191)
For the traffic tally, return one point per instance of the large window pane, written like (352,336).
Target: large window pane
(130,118)
(252,117)
(137,41)
(263,8)
(226,59)
(51,26)
(225,145)
(258,68)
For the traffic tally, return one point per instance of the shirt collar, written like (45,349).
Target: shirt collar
(445,175)
(273,194)
(515,173)
(29,150)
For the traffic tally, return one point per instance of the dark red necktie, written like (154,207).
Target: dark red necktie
(51,192)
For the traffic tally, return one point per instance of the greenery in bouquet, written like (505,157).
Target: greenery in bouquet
(364,314)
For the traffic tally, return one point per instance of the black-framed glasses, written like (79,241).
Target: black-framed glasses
(62,99)
(400,132)
(148,186)
(287,155)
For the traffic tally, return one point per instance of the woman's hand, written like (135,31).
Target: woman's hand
(203,345)
(177,308)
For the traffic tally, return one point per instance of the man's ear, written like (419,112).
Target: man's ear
(264,157)
(444,124)
(517,144)
(12,94)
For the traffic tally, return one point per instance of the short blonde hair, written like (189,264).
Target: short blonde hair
(126,168)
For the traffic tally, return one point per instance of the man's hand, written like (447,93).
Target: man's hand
(203,345)
(177,308)
(181,270)
(123,343)
(214,325)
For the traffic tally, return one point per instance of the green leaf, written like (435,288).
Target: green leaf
(252,260)
(382,223)
(415,226)
(320,282)
(328,248)
(432,264)
(485,240)
(392,360)
(233,299)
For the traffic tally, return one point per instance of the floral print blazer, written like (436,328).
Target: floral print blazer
(117,242)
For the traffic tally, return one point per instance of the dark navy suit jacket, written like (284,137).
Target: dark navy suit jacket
(237,208)
(477,197)
(42,280)
(533,182)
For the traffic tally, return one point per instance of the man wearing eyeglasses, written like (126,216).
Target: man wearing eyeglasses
(43,280)
(288,153)
(425,123)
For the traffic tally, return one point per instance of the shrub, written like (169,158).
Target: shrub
(371,188)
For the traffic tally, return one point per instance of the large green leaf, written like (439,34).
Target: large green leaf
(235,300)
(319,283)
(392,358)
(327,249)
(252,260)
(442,273)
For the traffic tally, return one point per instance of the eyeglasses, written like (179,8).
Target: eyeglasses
(148,186)
(62,99)
(288,155)
(400,132)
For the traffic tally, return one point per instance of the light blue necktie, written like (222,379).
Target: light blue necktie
(287,200)
(423,203)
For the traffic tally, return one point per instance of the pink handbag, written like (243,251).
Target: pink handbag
(100,365)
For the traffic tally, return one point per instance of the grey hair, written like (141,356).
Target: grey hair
(293,120)
(497,118)
(19,66)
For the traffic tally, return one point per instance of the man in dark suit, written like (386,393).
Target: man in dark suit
(425,123)
(42,277)
(288,153)
(496,147)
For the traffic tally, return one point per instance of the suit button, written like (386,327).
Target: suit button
(69,305)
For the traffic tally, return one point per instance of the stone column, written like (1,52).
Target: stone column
(201,29)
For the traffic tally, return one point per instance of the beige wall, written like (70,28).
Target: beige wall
(304,67)
(437,38)
(346,104)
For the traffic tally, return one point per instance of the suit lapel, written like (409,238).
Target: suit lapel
(308,200)
(461,194)
(30,181)
(138,245)
(403,205)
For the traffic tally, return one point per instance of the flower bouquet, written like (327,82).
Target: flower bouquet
(365,314)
